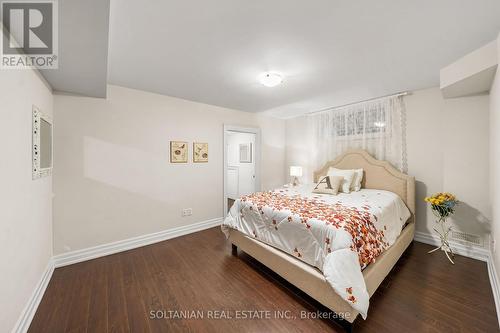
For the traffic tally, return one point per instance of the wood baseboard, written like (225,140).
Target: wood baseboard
(473,252)
(74,257)
(29,310)
(495,285)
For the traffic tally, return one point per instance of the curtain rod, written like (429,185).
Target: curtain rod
(403,93)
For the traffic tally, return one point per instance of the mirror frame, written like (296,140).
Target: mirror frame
(39,172)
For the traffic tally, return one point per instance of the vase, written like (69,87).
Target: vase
(443,230)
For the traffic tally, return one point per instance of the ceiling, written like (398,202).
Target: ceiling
(331,52)
(83,48)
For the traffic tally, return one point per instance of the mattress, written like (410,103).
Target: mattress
(340,235)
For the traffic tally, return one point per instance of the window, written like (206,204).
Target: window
(361,122)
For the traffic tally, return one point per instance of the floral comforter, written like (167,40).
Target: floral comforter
(340,235)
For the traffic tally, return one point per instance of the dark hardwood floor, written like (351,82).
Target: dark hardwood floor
(423,293)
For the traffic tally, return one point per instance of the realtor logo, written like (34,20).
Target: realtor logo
(29,34)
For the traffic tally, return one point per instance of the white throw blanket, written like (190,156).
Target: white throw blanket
(340,235)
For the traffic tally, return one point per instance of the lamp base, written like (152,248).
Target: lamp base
(295,181)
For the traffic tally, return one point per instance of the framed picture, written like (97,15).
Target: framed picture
(200,152)
(178,152)
(245,152)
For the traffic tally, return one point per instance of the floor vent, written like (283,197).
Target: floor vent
(466,238)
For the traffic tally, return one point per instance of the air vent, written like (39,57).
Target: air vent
(466,238)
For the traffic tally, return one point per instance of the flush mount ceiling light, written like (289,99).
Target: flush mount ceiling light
(270,79)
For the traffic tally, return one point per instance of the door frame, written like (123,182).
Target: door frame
(257,155)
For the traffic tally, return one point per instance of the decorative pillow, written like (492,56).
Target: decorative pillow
(356,182)
(328,185)
(348,177)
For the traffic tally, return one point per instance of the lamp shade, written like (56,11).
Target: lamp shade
(296,171)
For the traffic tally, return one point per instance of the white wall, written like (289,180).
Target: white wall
(246,171)
(447,143)
(112,175)
(448,151)
(26,204)
(495,160)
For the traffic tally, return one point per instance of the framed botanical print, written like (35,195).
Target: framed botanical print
(178,152)
(246,152)
(200,152)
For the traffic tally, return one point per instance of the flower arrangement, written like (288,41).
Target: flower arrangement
(443,206)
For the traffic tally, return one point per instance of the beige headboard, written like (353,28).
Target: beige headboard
(380,175)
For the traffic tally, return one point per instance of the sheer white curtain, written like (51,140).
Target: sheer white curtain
(378,126)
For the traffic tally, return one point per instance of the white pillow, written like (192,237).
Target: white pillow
(328,185)
(356,182)
(348,178)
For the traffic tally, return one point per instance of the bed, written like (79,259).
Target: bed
(380,180)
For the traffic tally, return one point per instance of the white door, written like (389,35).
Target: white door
(232,182)
(240,162)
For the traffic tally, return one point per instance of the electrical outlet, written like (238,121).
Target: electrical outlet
(187,212)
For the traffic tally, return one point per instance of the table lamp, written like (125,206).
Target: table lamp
(295,172)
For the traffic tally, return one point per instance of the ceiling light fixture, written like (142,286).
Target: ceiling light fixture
(270,79)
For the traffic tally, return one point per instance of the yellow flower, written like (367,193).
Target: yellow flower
(438,199)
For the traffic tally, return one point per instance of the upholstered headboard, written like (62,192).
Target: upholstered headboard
(380,175)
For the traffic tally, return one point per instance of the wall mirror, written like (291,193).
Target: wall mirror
(42,144)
